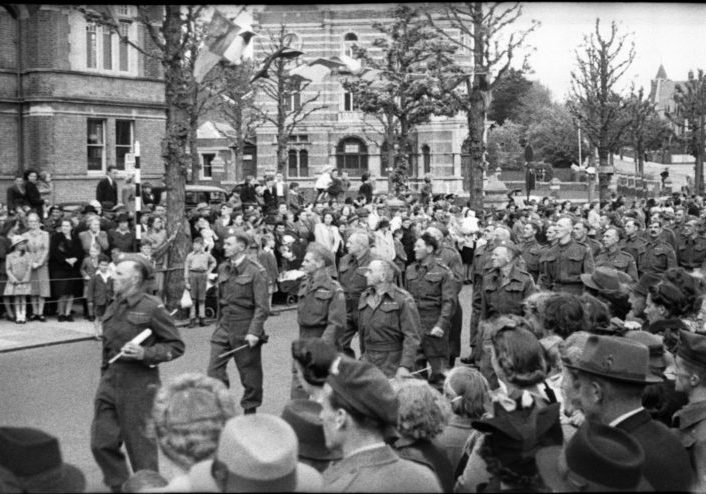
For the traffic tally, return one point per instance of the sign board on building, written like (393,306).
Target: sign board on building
(129,162)
(247,157)
(351,148)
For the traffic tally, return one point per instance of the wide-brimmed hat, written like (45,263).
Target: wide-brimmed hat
(597,458)
(303,416)
(692,348)
(34,458)
(256,453)
(654,344)
(605,279)
(642,287)
(17,240)
(615,358)
(515,437)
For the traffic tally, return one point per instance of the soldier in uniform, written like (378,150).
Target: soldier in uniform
(243,308)
(449,256)
(633,243)
(505,286)
(612,256)
(580,233)
(321,311)
(351,276)
(691,420)
(531,249)
(389,321)
(659,256)
(692,247)
(566,261)
(434,289)
(123,402)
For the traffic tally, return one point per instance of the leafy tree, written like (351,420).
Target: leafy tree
(594,100)
(507,95)
(490,40)
(292,103)
(532,104)
(553,136)
(688,116)
(639,110)
(410,60)
(504,148)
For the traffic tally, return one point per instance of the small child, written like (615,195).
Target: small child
(197,266)
(88,269)
(114,259)
(19,271)
(269,262)
(400,254)
(208,235)
(99,293)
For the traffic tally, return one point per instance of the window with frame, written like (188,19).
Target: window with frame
(298,138)
(91,45)
(124,29)
(349,40)
(207,165)
(349,102)
(124,138)
(95,145)
(426,158)
(352,156)
(298,163)
(292,101)
(106,51)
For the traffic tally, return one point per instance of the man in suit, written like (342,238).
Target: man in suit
(359,409)
(607,382)
(107,188)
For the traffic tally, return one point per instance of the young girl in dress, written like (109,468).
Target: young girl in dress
(18,265)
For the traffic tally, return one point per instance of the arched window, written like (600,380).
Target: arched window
(298,163)
(349,40)
(352,156)
(292,40)
(426,159)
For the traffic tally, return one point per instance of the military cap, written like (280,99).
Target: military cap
(692,348)
(362,387)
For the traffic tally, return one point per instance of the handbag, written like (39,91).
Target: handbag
(186,302)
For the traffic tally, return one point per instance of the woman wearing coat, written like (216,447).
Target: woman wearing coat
(38,250)
(65,256)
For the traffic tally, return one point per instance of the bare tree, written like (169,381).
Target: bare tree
(639,111)
(488,34)
(595,101)
(287,92)
(689,117)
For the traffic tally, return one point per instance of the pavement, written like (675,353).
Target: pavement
(35,334)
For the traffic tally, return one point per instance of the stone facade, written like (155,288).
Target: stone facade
(60,100)
(329,135)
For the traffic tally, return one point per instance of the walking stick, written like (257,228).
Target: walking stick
(263,339)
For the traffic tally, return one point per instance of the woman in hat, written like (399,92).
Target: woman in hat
(65,255)
(18,266)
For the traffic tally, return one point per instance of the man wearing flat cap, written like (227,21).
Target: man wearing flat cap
(359,412)
(691,420)
(243,301)
(321,311)
(609,379)
(127,386)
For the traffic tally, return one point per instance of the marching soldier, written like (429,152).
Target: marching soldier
(243,308)
(432,286)
(580,232)
(566,261)
(692,247)
(531,249)
(659,256)
(123,402)
(321,311)
(351,276)
(388,321)
(634,244)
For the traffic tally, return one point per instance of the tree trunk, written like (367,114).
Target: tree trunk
(194,152)
(603,178)
(176,159)
(474,171)
(699,168)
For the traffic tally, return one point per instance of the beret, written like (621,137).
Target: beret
(364,388)
(692,348)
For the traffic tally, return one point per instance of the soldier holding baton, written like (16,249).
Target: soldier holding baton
(129,374)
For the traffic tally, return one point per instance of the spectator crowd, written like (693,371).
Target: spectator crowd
(585,369)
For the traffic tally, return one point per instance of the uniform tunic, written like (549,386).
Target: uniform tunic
(691,253)
(391,329)
(432,286)
(531,253)
(243,308)
(123,402)
(636,247)
(691,424)
(564,265)
(659,256)
(618,259)
(351,275)
(451,257)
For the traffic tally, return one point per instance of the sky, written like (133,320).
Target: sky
(672,34)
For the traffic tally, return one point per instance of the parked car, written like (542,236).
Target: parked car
(195,194)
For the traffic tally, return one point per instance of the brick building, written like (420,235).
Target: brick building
(337,134)
(74,98)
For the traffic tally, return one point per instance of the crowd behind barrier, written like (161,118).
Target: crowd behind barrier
(585,369)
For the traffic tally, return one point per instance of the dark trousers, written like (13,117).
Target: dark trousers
(476,301)
(123,405)
(455,331)
(349,332)
(248,361)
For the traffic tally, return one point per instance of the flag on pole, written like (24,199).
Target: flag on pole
(224,39)
(317,69)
